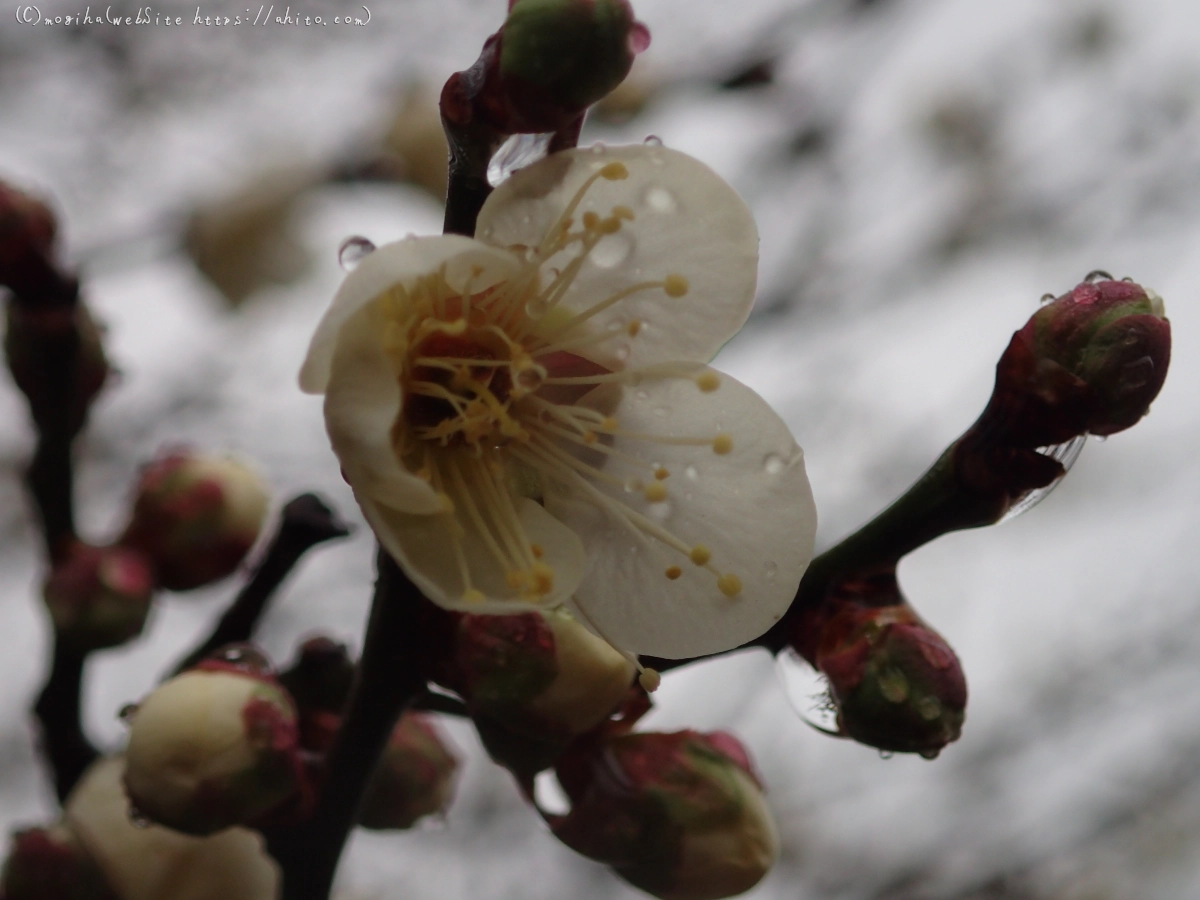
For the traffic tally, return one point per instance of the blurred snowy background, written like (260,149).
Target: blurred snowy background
(921,170)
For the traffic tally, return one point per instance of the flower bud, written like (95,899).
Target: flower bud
(196,517)
(1090,361)
(148,862)
(533,682)
(51,864)
(896,682)
(211,748)
(414,778)
(99,596)
(38,342)
(550,61)
(680,816)
(27,232)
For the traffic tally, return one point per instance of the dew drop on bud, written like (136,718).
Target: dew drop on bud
(1066,453)
(353,250)
(127,712)
(1097,275)
(652,140)
(886,754)
(639,38)
(1046,298)
(931,754)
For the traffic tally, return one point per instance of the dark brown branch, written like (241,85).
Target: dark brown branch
(306,521)
(389,678)
(63,743)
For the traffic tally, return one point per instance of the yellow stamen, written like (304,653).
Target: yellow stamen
(722,444)
(656,492)
(700,555)
(729,584)
(675,285)
(708,382)
(674,572)
(661,474)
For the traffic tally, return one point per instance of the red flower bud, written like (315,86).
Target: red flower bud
(51,864)
(196,517)
(533,682)
(680,815)
(38,342)
(895,681)
(213,748)
(27,232)
(415,776)
(1091,361)
(99,596)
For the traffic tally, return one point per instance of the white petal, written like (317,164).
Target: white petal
(688,222)
(362,402)
(752,507)
(401,262)
(423,546)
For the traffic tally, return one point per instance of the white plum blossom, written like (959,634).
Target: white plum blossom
(528,421)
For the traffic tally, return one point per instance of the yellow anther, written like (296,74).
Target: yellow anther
(674,572)
(662,474)
(623,212)
(656,492)
(649,679)
(708,381)
(590,220)
(543,579)
(675,285)
(634,327)
(722,444)
(514,579)
(609,424)
(700,555)
(614,171)
(537,551)
(590,437)
(472,595)
(611,225)
(730,585)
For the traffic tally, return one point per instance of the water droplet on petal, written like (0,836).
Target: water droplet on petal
(639,38)
(806,690)
(643,395)
(652,140)
(1097,275)
(1066,454)
(692,472)
(773,464)
(622,353)
(660,200)
(612,250)
(660,511)
(770,570)
(598,147)
(354,250)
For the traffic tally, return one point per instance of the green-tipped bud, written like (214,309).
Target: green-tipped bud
(680,816)
(415,777)
(569,53)
(51,864)
(211,748)
(196,517)
(149,862)
(99,596)
(533,682)
(896,683)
